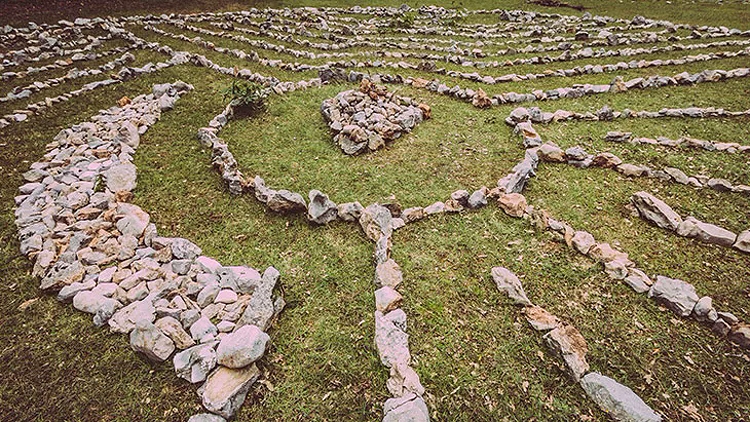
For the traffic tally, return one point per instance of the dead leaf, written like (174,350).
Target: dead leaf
(25,305)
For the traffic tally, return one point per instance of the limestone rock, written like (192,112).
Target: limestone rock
(706,232)
(121,177)
(508,283)
(514,204)
(408,408)
(388,274)
(194,364)
(173,329)
(206,417)
(569,344)
(743,242)
(376,221)
(225,389)
(391,339)
(540,319)
(350,211)
(146,338)
(243,347)
(583,241)
(284,201)
(740,334)
(617,400)
(677,295)
(656,211)
(321,209)
(387,299)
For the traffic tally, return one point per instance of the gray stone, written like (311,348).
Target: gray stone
(743,242)
(225,389)
(388,273)
(569,344)
(243,347)
(102,307)
(184,249)
(391,339)
(121,177)
(638,280)
(617,400)
(508,283)
(321,210)
(206,417)
(387,299)
(134,220)
(477,199)
(706,232)
(62,274)
(146,338)
(408,408)
(173,329)
(350,211)
(583,241)
(203,330)
(703,307)
(677,295)
(284,201)
(656,211)
(194,364)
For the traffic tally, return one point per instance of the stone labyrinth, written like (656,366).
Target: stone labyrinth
(93,247)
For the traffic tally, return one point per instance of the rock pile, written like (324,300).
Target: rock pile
(94,248)
(365,119)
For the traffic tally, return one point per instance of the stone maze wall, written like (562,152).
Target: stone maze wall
(94,248)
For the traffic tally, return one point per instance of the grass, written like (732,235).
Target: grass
(475,355)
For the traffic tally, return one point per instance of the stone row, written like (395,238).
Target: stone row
(657,212)
(537,115)
(567,343)
(21,92)
(91,246)
(685,141)
(480,99)
(391,338)
(586,52)
(475,77)
(125,73)
(62,63)
(51,49)
(578,157)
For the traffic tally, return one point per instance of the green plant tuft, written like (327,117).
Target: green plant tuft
(246,96)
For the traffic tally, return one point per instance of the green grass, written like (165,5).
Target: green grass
(475,355)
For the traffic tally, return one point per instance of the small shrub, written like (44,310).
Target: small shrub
(245,96)
(404,21)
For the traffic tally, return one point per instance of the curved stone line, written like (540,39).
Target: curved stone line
(567,343)
(46,52)
(62,63)
(474,77)
(21,92)
(95,248)
(684,142)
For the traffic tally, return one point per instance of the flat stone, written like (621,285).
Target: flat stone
(617,400)
(225,389)
(62,274)
(243,347)
(173,329)
(391,339)
(146,338)
(570,345)
(508,283)
(638,280)
(409,408)
(540,319)
(121,177)
(740,334)
(583,241)
(514,204)
(206,417)
(709,233)
(387,299)
(388,274)
(194,364)
(677,295)
(284,201)
(656,211)
(743,242)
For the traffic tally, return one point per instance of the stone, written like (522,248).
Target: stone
(173,329)
(677,295)
(194,364)
(321,210)
(206,417)
(94,303)
(62,274)
(606,160)
(703,307)
(656,211)
(242,347)
(225,389)
(477,199)
(388,274)
(706,232)
(134,220)
(540,319)
(743,242)
(404,380)
(408,408)
(147,339)
(376,221)
(121,177)
(391,339)
(387,299)
(284,201)
(570,345)
(350,211)
(551,153)
(603,252)
(631,170)
(203,330)
(638,280)
(508,283)
(720,185)
(583,241)
(617,400)
(226,296)
(514,204)
(413,214)
(436,208)
(184,249)
(740,334)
